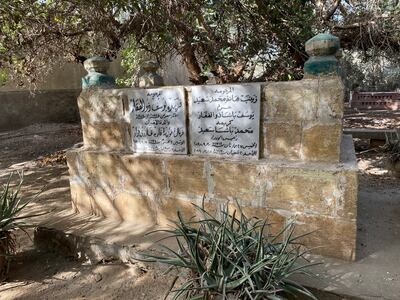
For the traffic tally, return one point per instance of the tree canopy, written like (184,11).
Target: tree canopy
(236,40)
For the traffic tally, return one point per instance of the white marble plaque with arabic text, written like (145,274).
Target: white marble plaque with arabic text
(158,120)
(225,120)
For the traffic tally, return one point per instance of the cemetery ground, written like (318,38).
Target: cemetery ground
(39,151)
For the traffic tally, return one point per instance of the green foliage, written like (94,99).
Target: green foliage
(236,40)
(375,73)
(3,77)
(132,58)
(12,217)
(11,207)
(234,256)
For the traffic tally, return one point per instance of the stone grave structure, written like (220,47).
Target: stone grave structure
(276,148)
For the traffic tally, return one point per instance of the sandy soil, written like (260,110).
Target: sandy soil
(371,119)
(36,275)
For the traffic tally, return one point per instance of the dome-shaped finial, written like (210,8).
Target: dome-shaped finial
(150,77)
(322,49)
(97,76)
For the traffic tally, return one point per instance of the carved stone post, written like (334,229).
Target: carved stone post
(97,73)
(322,50)
(150,77)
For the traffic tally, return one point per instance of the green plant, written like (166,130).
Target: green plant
(11,207)
(233,257)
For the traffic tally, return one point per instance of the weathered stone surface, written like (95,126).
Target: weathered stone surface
(73,162)
(159,186)
(103,171)
(82,199)
(103,204)
(102,106)
(347,203)
(321,142)
(134,208)
(332,237)
(331,100)
(305,100)
(299,190)
(142,175)
(283,140)
(236,181)
(274,221)
(186,177)
(106,136)
(169,208)
(292,101)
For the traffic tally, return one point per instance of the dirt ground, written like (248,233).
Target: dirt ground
(38,150)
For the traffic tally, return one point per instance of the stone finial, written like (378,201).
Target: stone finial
(150,76)
(322,50)
(97,73)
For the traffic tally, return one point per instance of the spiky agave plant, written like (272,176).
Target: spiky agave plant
(11,207)
(233,257)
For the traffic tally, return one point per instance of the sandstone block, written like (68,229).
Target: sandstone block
(107,136)
(282,140)
(104,168)
(274,221)
(102,106)
(82,198)
(333,237)
(292,101)
(103,204)
(143,175)
(236,181)
(169,208)
(331,99)
(187,177)
(73,162)
(300,190)
(347,205)
(134,208)
(321,142)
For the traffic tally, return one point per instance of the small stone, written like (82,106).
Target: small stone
(98,277)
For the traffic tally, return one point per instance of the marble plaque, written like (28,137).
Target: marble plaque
(158,120)
(225,120)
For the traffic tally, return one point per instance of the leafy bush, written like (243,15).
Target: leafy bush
(233,257)
(11,207)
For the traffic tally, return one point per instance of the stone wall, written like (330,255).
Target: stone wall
(307,170)
(22,108)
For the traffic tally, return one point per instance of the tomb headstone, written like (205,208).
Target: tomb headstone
(225,120)
(158,120)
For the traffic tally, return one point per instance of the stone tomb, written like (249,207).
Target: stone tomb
(300,168)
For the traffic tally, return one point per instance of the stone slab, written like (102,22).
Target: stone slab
(369,133)
(158,120)
(225,120)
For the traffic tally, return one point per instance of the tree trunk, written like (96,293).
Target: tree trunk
(192,65)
